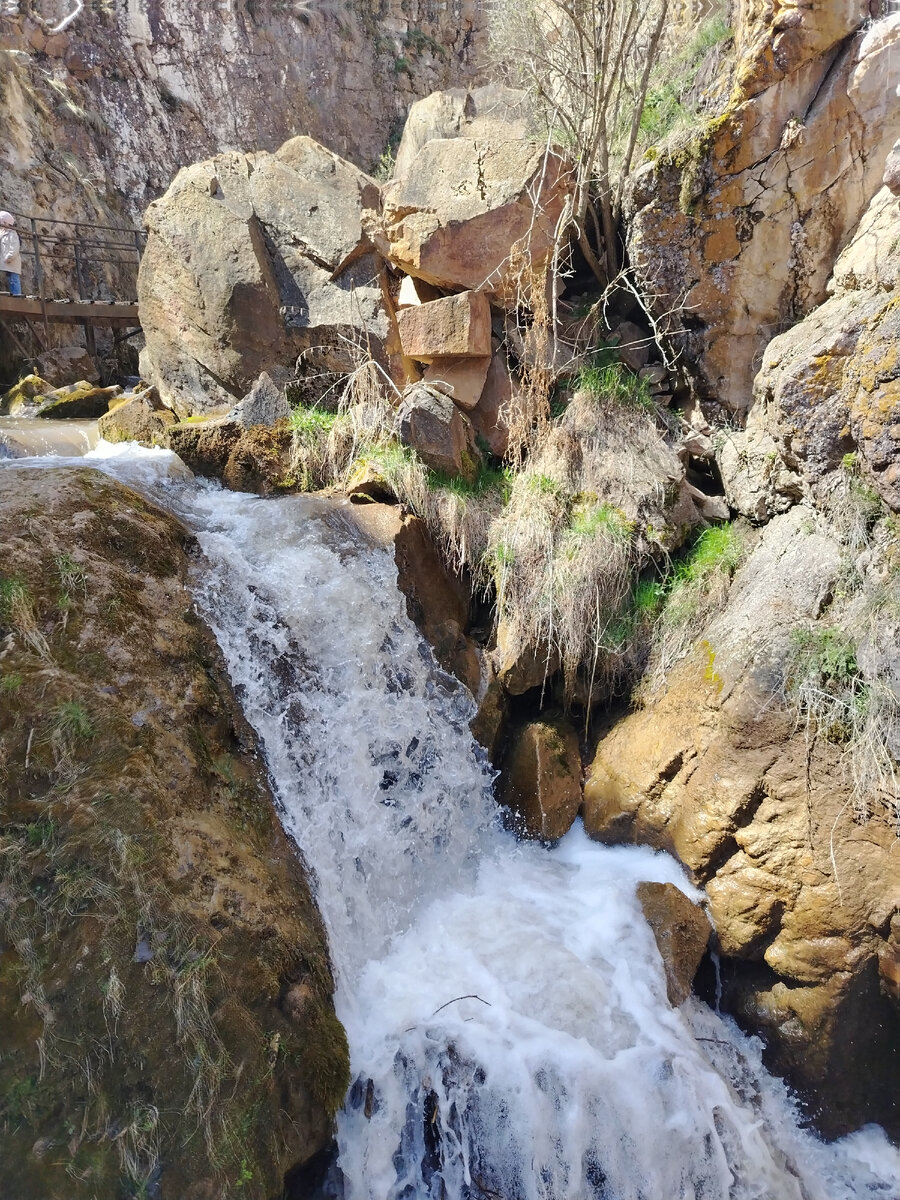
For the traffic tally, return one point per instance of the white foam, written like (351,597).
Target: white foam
(505,1005)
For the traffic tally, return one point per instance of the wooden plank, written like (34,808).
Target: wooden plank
(74,312)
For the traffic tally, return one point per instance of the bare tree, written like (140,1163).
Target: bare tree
(587,63)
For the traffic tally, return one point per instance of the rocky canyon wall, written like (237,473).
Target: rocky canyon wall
(734,227)
(98,118)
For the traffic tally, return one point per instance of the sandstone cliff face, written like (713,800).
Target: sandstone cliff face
(98,119)
(166,1024)
(828,392)
(803,894)
(737,227)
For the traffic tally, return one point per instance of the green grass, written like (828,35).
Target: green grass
(488,479)
(71,574)
(72,720)
(590,521)
(13,593)
(664,110)
(718,548)
(311,421)
(614,382)
(11,683)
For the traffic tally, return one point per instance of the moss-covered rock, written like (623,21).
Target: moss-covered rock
(82,399)
(27,393)
(166,1023)
(138,418)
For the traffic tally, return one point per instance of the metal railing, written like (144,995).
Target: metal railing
(78,260)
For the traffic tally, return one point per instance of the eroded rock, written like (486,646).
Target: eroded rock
(830,385)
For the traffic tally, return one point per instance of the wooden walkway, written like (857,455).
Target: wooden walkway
(72,266)
(69,312)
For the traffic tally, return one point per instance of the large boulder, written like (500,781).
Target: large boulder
(476,214)
(715,768)
(734,229)
(484,113)
(252,259)
(164,968)
(830,386)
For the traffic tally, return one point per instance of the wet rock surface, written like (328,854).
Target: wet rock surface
(682,933)
(158,929)
(542,778)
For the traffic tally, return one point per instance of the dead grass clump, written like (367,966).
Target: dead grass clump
(568,548)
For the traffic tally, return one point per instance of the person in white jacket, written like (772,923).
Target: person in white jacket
(10,256)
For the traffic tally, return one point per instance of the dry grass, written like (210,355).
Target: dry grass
(561,535)
(567,550)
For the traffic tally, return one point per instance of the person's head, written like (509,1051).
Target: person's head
(7,220)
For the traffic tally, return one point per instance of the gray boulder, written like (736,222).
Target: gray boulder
(251,260)
(264,404)
(433,426)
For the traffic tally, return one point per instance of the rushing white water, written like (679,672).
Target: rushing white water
(22,437)
(505,1004)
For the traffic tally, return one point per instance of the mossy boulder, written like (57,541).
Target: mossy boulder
(27,393)
(246,460)
(82,399)
(166,1021)
(141,417)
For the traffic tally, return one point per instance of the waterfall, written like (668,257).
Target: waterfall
(505,1004)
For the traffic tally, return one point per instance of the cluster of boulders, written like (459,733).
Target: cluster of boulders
(298,264)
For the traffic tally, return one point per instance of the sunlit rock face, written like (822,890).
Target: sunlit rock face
(99,118)
(735,230)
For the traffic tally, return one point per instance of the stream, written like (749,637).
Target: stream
(505,1004)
